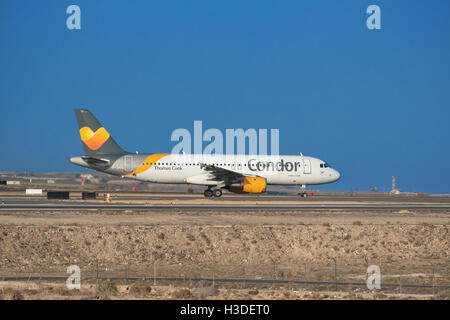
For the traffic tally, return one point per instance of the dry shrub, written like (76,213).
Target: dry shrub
(207,291)
(379,295)
(182,294)
(105,289)
(443,295)
(62,291)
(427,225)
(140,289)
(253,292)
(31,292)
(10,294)
(316,296)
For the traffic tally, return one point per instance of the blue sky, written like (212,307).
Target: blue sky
(374,103)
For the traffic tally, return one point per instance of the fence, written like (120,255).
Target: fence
(303,275)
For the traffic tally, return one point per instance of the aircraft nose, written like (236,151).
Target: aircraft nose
(336,175)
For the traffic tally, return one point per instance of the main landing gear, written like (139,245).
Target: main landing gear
(209,193)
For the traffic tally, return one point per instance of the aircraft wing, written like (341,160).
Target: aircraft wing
(222,174)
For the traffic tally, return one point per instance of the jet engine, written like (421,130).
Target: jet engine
(249,185)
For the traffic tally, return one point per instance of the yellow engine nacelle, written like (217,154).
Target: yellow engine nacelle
(250,185)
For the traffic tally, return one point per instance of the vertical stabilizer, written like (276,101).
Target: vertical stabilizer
(96,140)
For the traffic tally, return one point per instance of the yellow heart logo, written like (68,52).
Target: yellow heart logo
(94,140)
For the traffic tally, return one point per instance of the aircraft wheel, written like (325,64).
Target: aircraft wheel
(217,193)
(208,193)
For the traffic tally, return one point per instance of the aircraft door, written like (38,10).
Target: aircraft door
(128,163)
(306,166)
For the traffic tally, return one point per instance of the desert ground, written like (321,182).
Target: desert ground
(410,247)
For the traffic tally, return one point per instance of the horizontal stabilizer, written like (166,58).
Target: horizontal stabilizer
(95,160)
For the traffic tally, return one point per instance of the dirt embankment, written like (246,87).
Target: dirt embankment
(396,248)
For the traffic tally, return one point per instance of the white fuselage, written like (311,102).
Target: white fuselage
(278,170)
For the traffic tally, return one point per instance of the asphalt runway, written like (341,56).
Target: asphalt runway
(61,206)
(166,196)
(283,198)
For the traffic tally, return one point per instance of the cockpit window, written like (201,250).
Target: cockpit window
(325,165)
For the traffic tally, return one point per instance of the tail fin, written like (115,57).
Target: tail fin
(96,140)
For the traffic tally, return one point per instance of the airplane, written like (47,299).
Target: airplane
(235,173)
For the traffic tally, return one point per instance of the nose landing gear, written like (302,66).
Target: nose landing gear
(303,192)
(209,193)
